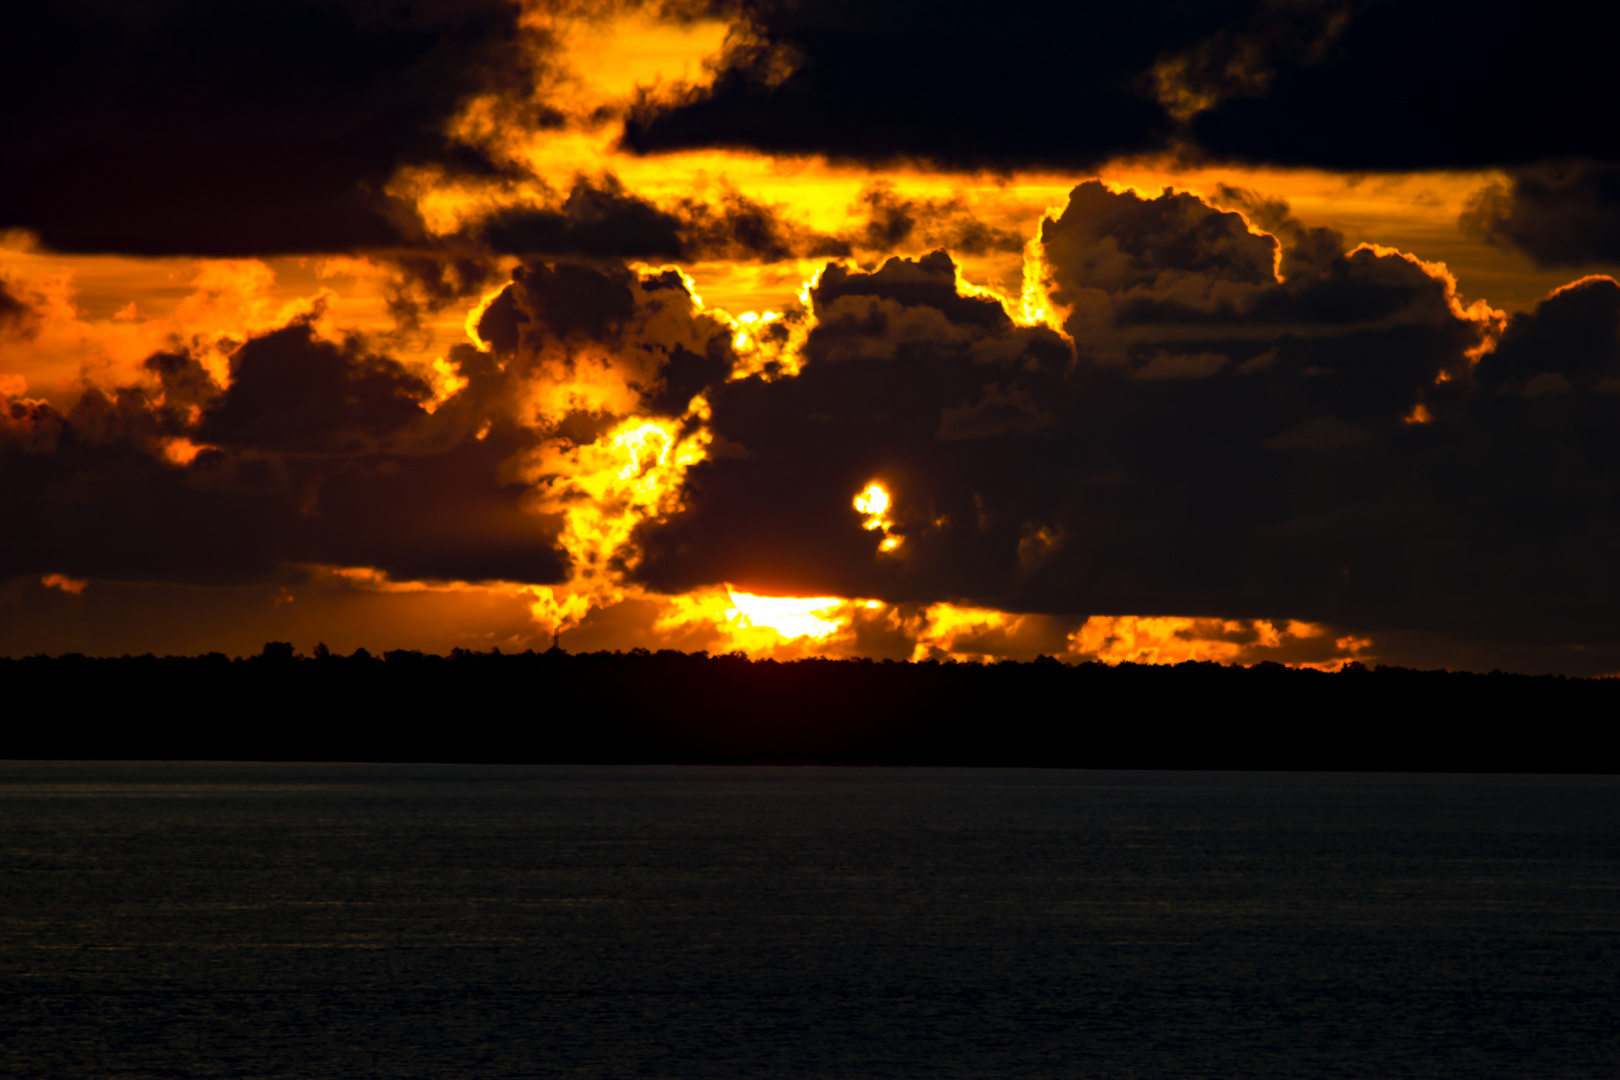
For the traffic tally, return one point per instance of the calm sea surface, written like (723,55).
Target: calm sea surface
(304,921)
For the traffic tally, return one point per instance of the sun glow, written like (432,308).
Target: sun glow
(600,463)
(475,315)
(1173,639)
(790,616)
(1034,306)
(636,443)
(446,382)
(181,451)
(603,491)
(75,586)
(874,503)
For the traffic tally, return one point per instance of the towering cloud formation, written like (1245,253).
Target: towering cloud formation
(1224,427)
(1221,441)
(921,418)
(322,452)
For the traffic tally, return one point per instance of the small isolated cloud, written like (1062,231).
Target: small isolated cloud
(75,586)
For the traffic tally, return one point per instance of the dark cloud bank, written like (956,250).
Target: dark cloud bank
(249,128)
(1218,442)
(1355,85)
(328,453)
(255,128)
(953,82)
(168,127)
(1223,443)
(1562,213)
(1351,85)
(177,127)
(318,453)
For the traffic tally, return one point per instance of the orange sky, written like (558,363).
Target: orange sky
(103,315)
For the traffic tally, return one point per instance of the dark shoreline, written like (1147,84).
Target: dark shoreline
(669,707)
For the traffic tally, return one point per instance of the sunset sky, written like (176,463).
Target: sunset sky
(1183,329)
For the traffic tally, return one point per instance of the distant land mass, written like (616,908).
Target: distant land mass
(672,707)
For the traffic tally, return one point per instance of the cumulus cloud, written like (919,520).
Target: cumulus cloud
(321,452)
(1559,214)
(1227,414)
(292,391)
(326,458)
(604,221)
(1573,335)
(1327,451)
(1207,437)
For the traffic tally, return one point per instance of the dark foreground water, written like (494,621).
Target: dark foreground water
(406,921)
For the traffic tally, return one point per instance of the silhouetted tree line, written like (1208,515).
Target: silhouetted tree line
(668,706)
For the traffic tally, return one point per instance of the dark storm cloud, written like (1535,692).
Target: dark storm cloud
(1571,342)
(928,282)
(1560,214)
(322,452)
(1221,443)
(292,391)
(951,81)
(559,301)
(604,222)
(670,353)
(1355,85)
(1170,287)
(1121,243)
(87,495)
(319,452)
(1528,480)
(183,381)
(248,128)
(1423,84)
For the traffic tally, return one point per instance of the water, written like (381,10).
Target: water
(205,920)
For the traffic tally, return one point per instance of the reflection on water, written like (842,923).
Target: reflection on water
(306,921)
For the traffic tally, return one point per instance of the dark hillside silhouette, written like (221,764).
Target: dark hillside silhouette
(675,707)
